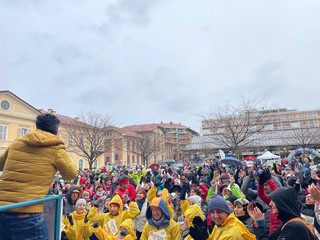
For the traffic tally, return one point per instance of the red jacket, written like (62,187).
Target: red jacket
(274,221)
(132,192)
(121,193)
(205,190)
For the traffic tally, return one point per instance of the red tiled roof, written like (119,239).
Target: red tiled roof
(152,126)
(126,132)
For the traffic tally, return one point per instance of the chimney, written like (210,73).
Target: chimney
(170,122)
(161,122)
(76,118)
(50,110)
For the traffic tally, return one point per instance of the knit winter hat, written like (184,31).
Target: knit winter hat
(80,201)
(195,199)
(219,203)
(231,199)
(241,201)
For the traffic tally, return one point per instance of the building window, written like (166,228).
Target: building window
(95,164)
(295,125)
(268,127)
(286,125)
(116,156)
(107,160)
(70,140)
(22,131)
(3,132)
(81,164)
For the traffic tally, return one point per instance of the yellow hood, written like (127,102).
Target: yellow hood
(41,138)
(192,212)
(117,200)
(128,225)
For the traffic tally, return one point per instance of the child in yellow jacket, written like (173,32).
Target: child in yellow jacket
(76,224)
(126,232)
(112,220)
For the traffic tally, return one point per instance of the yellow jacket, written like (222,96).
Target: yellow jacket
(105,220)
(29,165)
(232,228)
(152,193)
(126,224)
(190,212)
(172,232)
(169,229)
(79,230)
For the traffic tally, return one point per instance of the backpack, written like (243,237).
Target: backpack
(300,220)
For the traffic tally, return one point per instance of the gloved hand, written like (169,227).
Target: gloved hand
(95,225)
(64,235)
(167,183)
(275,169)
(126,198)
(264,176)
(184,191)
(123,233)
(148,180)
(70,219)
(85,220)
(142,179)
(198,231)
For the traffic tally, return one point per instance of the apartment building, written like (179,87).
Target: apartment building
(279,119)
(283,131)
(177,137)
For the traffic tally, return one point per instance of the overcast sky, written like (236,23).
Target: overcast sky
(146,61)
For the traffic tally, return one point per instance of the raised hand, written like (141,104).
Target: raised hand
(315,192)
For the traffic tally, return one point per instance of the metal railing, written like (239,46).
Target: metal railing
(52,204)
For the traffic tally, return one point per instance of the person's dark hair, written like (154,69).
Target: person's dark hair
(197,191)
(48,122)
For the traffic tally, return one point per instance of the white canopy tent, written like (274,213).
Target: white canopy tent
(268,156)
(267,159)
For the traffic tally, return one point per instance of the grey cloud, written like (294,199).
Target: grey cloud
(268,68)
(131,12)
(69,54)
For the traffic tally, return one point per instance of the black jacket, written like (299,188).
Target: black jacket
(288,206)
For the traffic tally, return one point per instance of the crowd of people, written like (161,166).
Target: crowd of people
(198,201)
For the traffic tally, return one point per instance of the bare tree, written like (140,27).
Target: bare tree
(147,145)
(235,127)
(90,135)
(303,137)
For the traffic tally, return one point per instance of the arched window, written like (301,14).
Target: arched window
(95,164)
(80,164)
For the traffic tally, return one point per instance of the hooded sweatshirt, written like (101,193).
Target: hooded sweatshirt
(165,227)
(106,220)
(68,205)
(288,206)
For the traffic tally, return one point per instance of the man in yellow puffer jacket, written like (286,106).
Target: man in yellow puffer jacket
(29,165)
(227,225)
